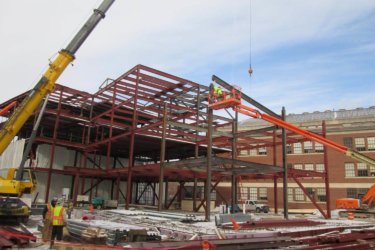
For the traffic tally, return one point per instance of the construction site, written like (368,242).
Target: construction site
(152,160)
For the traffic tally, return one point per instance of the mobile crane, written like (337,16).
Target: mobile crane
(232,99)
(20,181)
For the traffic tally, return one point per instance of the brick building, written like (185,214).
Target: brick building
(347,177)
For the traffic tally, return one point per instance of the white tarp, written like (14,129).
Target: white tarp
(58,183)
(12,156)
(63,157)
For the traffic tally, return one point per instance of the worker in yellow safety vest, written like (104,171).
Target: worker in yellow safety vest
(58,218)
(217,90)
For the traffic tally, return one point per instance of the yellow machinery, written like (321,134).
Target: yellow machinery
(11,206)
(16,183)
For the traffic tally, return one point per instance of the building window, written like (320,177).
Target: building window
(263,194)
(263,151)
(319,147)
(351,193)
(243,152)
(290,194)
(371,143)
(349,170)
(362,169)
(300,196)
(319,167)
(308,147)
(372,170)
(348,142)
(253,193)
(309,167)
(297,148)
(253,152)
(289,149)
(244,194)
(360,144)
(212,195)
(298,166)
(321,193)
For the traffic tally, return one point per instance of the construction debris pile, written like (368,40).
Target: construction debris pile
(10,237)
(142,228)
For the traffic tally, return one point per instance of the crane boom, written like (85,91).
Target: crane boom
(47,82)
(234,102)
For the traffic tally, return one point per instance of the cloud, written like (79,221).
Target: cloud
(193,39)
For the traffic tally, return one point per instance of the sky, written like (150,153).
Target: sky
(311,55)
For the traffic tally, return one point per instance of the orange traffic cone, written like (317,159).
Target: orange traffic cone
(350,216)
(205,245)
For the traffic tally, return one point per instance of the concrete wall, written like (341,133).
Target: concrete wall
(58,182)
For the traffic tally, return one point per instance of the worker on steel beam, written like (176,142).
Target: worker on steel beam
(217,90)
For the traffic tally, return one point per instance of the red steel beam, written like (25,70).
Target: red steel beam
(311,198)
(326,172)
(7,108)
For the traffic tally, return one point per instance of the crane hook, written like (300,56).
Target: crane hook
(250,71)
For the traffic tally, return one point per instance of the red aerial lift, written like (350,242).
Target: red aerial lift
(232,99)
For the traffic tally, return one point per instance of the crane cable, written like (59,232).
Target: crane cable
(250,68)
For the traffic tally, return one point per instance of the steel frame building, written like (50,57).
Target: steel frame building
(162,125)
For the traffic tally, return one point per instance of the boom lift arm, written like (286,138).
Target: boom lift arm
(47,82)
(235,103)
(369,197)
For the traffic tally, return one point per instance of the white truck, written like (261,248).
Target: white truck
(254,206)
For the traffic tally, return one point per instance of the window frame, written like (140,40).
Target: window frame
(370,143)
(349,168)
(360,144)
(308,147)
(299,195)
(297,148)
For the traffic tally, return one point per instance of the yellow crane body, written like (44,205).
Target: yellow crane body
(20,181)
(31,102)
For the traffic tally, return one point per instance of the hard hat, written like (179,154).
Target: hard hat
(54,199)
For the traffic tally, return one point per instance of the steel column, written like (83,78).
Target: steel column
(275,193)
(233,189)
(209,165)
(326,178)
(285,167)
(84,166)
(182,184)
(76,184)
(234,157)
(274,163)
(117,194)
(162,157)
(166,192)
(131,146)
(109,145)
